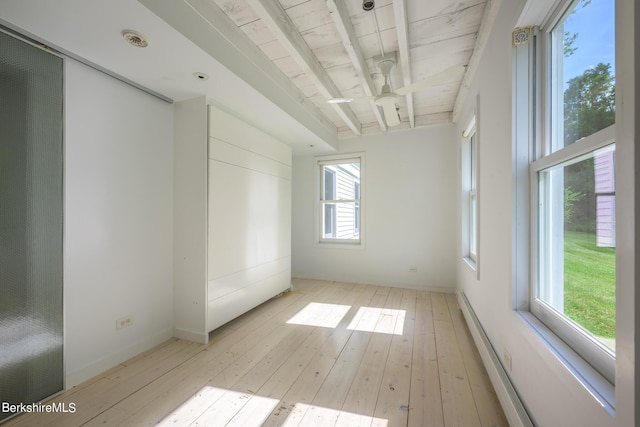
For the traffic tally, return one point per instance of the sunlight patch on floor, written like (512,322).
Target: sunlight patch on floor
(320,314)
(214,406)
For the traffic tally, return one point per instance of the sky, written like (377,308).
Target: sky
(595,27)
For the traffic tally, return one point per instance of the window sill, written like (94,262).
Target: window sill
(339,245)
(597,385)
(471,264)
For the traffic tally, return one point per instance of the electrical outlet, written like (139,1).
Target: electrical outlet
(413,269)
(123,322)
(507,360)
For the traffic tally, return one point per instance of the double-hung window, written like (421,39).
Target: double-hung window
(573,182)
(340,207)
(470,194)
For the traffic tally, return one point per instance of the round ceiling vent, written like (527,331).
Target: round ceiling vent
(135,38)
(201,76)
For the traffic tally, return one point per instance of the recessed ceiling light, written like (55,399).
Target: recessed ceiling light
(200,76)
(135,38)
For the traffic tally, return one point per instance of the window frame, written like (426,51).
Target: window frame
(470,199)
(473,199)
(328,241)
(594,352)
(543,154)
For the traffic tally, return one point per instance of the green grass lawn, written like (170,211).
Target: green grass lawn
(590,284)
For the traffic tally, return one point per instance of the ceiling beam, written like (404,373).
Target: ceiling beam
(276,19)
(488,18)
(400,12)
(340,17)
(208,27)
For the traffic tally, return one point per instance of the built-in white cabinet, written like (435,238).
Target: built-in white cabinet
(232,216)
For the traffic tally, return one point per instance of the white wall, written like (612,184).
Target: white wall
(551,394)
(409,197)
(190,219)
(118,221)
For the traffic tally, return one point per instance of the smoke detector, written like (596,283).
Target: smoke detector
(135,38)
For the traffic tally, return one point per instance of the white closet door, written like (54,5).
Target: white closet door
(249,220)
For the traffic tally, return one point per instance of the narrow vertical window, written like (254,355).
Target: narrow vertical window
(469,154)
(473,201)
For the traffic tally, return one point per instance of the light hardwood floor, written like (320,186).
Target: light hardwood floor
(325,354)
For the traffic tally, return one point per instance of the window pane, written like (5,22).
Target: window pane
(356,219)
(329,220)
(583,70)
(577,274)
(472,225)
(472,161)
(329,184)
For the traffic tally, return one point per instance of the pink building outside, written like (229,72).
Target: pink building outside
(604,168)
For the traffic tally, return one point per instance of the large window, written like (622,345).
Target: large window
(573,182)
(340,208)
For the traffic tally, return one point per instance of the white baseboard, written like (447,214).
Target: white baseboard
(196,337)
(398,284)
(511,404)
(89,371)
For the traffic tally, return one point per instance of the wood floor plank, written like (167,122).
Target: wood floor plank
(359,405)
(458,406)
(489,411)
(392,406)
(325,354)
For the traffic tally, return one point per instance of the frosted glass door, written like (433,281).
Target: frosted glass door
(31,157)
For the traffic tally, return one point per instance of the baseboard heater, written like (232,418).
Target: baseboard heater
(511,404)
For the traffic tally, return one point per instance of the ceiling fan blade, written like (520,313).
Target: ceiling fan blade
(390,114)
(432,80)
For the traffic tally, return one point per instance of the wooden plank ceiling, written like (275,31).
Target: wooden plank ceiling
(330,49)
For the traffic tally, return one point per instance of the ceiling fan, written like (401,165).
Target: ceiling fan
(387,98)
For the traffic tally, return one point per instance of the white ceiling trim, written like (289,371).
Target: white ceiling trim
(537,12)
(400,12)
(347,32)
(276,19)
(486,24)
